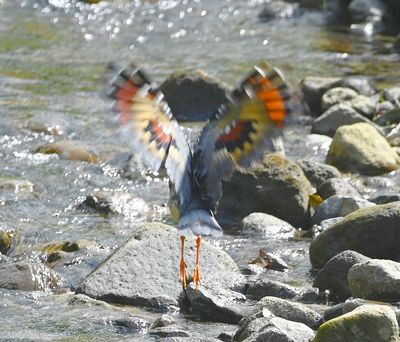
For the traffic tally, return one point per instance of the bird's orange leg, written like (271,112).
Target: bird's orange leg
(183,273)
(196,277)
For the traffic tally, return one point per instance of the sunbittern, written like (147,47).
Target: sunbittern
(236,136)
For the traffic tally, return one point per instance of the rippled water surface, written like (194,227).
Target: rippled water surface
(53,67)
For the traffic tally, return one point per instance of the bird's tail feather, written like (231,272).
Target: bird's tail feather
(199,222)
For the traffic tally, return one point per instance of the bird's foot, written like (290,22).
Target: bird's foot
(196,276)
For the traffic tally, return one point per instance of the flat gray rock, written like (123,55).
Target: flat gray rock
(145,269)
(373,232)
(267,287)
(268,225)
(375,279)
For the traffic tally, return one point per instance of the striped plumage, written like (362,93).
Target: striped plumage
(236,136)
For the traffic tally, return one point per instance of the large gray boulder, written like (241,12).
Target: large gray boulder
(373,232)
(375,279)
(277,187)
(193,95)
(361,148)
(145,269)
(368,323)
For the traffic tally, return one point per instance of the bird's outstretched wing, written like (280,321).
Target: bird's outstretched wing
(153,133)
(242,130)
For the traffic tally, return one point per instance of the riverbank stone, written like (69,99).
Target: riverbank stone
(368,323)
(277,186)
(144,271)
(333,276)
(193,95)
(279,9)
(337,95)
(318,173)
(375,279)
(217,304)
(338,206)
(337,186)
(372,231)
(337,116)
(71,150)
(27,276)
(268,225)
(361,148)
(272,288)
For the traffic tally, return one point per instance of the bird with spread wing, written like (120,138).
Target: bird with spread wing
(236,136)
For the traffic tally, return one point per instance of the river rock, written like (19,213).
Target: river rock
(372,231)
(365,10)
(318,173)
(163,321)
(279,9)
(394,136)
(385,198)
(336,116)
(145,269)
(169,331)
(16,185)
(268,287)
(364,105)
(268,225)
(292,311)
(337,95)
(368,323)
(96,204)
(264,326)
(390,117)
(337,186)
(217,304)
(361,84)
(67,149)
(27,276)
(333,276)
(392,94)
(375,279)
(338,206)
(131,325)
(277,186)
(193,95)
(360,148)
(313,89)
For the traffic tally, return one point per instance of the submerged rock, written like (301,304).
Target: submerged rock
(333,276)
(145,269)
(373,232)
(360,148)
(375,279)
(292,311)
(279,9)
(368,323)
(5,241)
(277,187)
(26,276)
(192,95)
(71,150)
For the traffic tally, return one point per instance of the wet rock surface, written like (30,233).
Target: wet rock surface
(337,186)
(145,270)
(318,173)
(359,231)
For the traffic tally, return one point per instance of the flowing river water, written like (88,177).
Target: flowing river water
(53,67)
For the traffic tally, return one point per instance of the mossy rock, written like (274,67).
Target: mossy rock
(368,323)
(5,241)
(361,148)
(69,150)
